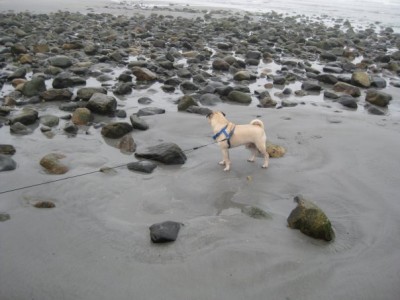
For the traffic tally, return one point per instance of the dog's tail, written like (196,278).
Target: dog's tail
(257,122)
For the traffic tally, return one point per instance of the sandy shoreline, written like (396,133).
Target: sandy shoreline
(95,244)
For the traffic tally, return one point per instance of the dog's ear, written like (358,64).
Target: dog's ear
(209,115)
(223,113)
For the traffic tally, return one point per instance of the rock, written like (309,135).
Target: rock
(361,79)
(116,130)
(144,74)
(7,163)
(347,89)
(199,110)
(150,111)
(239,97)
(189,86)
(279,80)
(185,102)
(164,232)
(57,95)
(311,220)
(167,153)
(102,104)
(71,128)
(5,110)
(127,144)
(288,103)
(378,98)
(220,65)
(378,82)
(60,61)
(44,204)
(348,101)
(62,80)
(49,120)
(81,116)
(244,75)
(19,73)
(51,162)
(33,87)
(138,123)
(327,78)
(27,116)
(331,69)
(7,149)
(311,86)
(275,151)
(331,95)
(145,100)
(143,166)
(123,88)
(86,93)
(373,110)
(4,217)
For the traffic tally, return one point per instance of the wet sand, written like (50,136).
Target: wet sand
(95,243)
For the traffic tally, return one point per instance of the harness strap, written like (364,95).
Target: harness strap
(227,135)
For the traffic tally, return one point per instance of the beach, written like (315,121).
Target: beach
(95,243)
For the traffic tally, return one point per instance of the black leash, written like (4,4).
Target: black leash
(102,170)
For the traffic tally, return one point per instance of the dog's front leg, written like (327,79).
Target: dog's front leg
(225,159)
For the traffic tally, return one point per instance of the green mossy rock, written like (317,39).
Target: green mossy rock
(310,220)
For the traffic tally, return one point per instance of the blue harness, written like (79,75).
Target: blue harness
(227,135)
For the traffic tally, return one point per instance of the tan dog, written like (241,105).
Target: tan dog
(229,135)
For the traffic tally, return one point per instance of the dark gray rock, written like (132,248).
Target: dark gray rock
(116,130)
(167,153)
(71,128)
(209,99)
(4,217)
(19,73)
(199,110)
(145,100)
(149,111)
(164,232)
(19,128)
(28,116)
(220,65)
(373,110)
(239,97)
(102,104)
(143,166)
(54,94)
(279,80)
(123,88)
(33,87)
(86,93)
(63,80)
(327,78)
(311,86)
(61,61)
(49,120)
(348,101)
(378,82)
(7,163)
(138,123)
(185,102)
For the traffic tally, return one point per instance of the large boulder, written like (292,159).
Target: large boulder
(378,98)
(27,116)
(167,153)
(164,232)
(102,104)
(310,220)
(116,130)
(51,162)
(7,163)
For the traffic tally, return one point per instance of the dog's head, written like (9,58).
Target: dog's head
(215,114)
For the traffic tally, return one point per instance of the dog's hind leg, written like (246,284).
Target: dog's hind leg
(253,151)
(263,150)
